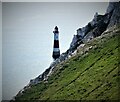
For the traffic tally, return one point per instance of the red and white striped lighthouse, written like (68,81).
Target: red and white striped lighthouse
(56,50)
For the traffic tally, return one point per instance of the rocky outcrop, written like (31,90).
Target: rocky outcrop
(115,17)
(98,25)
(93,29)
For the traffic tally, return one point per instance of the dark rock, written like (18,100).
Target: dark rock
(115,17)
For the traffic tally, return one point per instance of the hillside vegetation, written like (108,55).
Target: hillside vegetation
(88,75)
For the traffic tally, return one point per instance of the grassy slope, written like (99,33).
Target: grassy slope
(89,76)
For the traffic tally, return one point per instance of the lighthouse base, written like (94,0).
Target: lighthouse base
(56,55)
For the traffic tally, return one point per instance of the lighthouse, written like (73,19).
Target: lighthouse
(56,50)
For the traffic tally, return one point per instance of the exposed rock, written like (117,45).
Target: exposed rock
(115,18)
(98,25)
(93,22)
(111,7)
(74,40)
(88,37)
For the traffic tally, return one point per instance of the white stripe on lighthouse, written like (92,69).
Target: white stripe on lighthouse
(56,36)
(56,49)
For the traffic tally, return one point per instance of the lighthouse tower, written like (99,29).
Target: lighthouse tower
(56,50)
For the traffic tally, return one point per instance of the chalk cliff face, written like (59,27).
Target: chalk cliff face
(98,25)
(94,28)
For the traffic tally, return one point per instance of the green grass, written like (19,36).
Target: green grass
(93,75)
